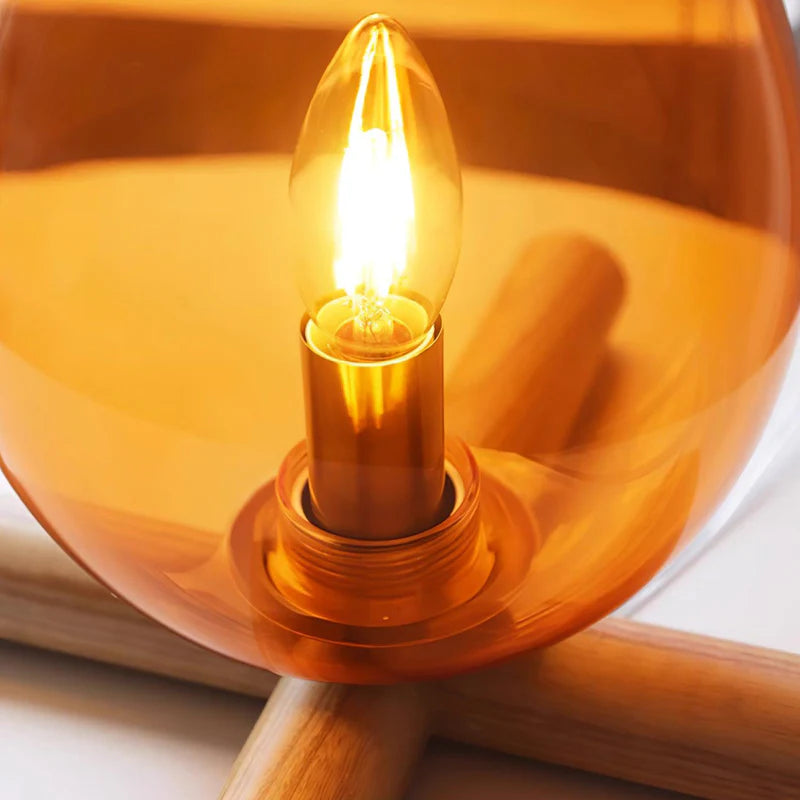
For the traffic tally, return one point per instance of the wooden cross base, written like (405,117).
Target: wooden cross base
(688,713)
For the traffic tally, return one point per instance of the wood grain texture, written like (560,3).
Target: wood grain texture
(683,712)
(317,740)
(539,346)
(674,710)
(46,600)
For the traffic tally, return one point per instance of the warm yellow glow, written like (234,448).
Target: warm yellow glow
(375,203)
(376,189)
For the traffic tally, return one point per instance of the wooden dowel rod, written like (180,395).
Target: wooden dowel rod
(520,382)
(48,601)
(678,711)
(326,740)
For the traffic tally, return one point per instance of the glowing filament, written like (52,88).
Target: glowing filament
(375,210)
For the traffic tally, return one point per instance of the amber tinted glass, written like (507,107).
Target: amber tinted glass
(630,180)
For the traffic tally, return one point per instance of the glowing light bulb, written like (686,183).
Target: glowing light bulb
(376,187)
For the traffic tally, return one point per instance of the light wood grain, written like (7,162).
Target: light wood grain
(316,740)
(46,600)
(702,716)
(538,346)
(674,710)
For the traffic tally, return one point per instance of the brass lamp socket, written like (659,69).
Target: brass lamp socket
(375,433)
(376,582)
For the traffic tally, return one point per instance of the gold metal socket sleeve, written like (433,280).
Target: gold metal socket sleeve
(375,432)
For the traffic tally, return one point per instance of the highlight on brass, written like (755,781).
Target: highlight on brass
(376,188)
(357,481)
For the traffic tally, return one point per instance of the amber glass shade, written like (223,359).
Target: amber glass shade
(622,312)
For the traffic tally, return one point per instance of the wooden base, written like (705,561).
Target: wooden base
(673,710)
(326,740)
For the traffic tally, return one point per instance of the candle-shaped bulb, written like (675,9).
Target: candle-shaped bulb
(376,188)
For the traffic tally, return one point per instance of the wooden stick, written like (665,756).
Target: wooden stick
(688,713)
(673,710)
(521,381)
(46,600)
(322,740)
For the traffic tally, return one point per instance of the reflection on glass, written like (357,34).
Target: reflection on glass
(148,325)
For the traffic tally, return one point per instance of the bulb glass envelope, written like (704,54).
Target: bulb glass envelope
(376,188)
(148,335)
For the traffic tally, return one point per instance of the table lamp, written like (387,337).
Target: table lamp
(623,306)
